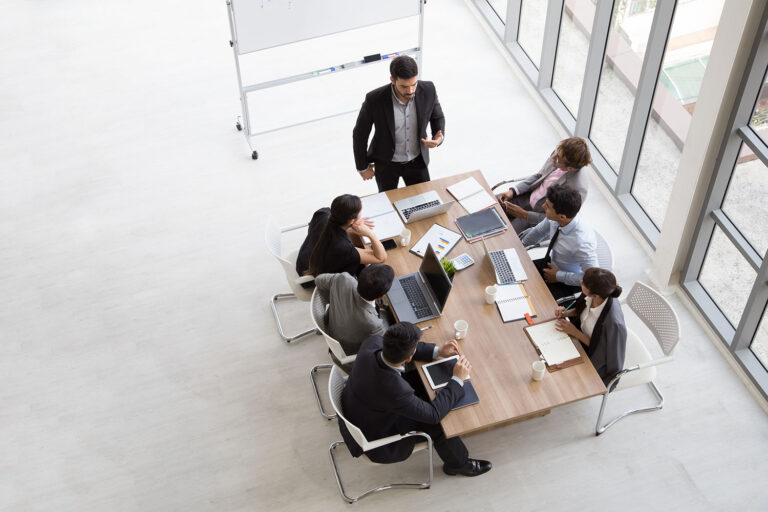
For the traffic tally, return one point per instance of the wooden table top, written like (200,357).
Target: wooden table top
(500,354)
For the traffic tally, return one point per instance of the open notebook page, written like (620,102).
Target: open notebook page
(556,347)
(386,221)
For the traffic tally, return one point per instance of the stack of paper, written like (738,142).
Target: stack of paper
(482,224)
(471,195)
(386,221)
(513,303)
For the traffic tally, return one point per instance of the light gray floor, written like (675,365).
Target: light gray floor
(140,368)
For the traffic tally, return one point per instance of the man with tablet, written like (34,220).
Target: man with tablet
(383,399)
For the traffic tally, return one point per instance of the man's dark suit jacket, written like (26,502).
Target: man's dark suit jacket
(380,402)
(377,111)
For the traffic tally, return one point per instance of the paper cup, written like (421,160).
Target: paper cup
(539,368)
(490,294)
(461,327)
(405,237)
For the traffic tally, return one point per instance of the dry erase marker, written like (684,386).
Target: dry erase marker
(528,319)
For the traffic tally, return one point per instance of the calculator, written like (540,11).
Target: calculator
(462,261)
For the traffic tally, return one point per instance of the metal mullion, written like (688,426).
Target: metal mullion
(755,143)
(597,43)
(750,319)
(491,17)
(512,26)
(549,46)
(753,82)
(740,241)
(646,87)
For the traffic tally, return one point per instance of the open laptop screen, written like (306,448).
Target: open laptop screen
(435,275)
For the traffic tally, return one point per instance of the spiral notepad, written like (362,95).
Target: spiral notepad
(513,303)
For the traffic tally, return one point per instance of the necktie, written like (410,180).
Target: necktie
(547,259)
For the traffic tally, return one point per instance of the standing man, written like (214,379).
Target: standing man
(399,111)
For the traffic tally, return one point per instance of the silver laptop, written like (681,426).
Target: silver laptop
(422,295)
(422,206)
(506,265)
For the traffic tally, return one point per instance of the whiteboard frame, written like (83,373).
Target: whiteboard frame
(246,89)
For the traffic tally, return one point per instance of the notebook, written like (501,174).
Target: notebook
(513,302)
(386,222)
(471,195)
(478,225)
(555,347)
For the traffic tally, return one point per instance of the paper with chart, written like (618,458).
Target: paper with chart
(556,347)
(513,303)
(441,238)
(386,221)
(471,195)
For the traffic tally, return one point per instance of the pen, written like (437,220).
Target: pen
(569,306)
(425,328)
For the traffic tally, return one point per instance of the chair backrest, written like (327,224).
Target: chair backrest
(336,383)
(318,308)
(657,314)
(273,236)
(604,252)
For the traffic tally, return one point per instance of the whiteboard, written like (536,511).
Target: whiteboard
(261,24)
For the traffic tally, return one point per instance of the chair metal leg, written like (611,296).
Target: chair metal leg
(273,303)
(315,369)
(350,499)
(599,430)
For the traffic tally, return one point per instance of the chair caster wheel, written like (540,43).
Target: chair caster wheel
(239,127)
(255,155)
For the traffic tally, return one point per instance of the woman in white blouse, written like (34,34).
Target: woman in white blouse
(597,322)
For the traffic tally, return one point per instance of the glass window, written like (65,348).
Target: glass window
(760,342)
(745,201)
(500,8)
(727,276)
(759,121)
(685,60)
(627,40)
(572,48)
(533,15)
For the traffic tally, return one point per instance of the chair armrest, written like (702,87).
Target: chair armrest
(639,366)
(294,227)
(304,279)
(372,445)
(348,359)
(513,180)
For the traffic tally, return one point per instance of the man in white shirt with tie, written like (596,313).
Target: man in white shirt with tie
(573,247)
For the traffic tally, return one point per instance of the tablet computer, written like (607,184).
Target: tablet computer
(440,372)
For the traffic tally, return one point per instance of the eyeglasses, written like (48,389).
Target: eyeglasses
(563,161)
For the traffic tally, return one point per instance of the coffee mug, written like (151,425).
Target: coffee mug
(405,237)
(490,294)
(461,327)
(538,368)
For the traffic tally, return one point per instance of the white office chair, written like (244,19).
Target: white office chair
(318,308)
(335,387)
(639,366)
(273,238)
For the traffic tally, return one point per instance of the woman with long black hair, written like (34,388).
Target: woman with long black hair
(333,250)
(597,322)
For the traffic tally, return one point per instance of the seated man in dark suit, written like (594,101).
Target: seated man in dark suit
(572,247)
(352,311)
(380,398)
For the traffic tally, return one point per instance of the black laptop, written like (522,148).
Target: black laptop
(422,295)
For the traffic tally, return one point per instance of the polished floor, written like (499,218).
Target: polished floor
(140,367)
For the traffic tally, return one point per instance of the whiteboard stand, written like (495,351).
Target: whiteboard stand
(241,22)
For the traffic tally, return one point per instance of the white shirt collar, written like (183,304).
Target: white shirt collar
(596,310)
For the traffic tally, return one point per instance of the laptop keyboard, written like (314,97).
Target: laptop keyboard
(407,212)
(416,297)
(501,265)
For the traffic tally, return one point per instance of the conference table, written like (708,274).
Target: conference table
(501,354)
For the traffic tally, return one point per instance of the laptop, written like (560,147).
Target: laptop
(506,265)
(422,295)
(422,206)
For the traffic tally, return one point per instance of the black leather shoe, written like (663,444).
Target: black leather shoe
(473,467)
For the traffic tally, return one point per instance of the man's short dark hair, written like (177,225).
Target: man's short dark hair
(400,341)
(374,281)
(565,200)
(403,67)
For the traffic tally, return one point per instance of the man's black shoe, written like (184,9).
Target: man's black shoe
(473,467)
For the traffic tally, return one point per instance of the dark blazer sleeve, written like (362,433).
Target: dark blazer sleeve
(437,119)
(424,351)
(413,407)
(360,133)
(614,336)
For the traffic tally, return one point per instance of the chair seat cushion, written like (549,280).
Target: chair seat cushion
(636,353)
(303,294)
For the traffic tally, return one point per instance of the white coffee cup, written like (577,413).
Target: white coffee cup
(461,327)
(490,293)
(405,237)
(538,368)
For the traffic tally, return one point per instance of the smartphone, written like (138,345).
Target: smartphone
(389,244)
